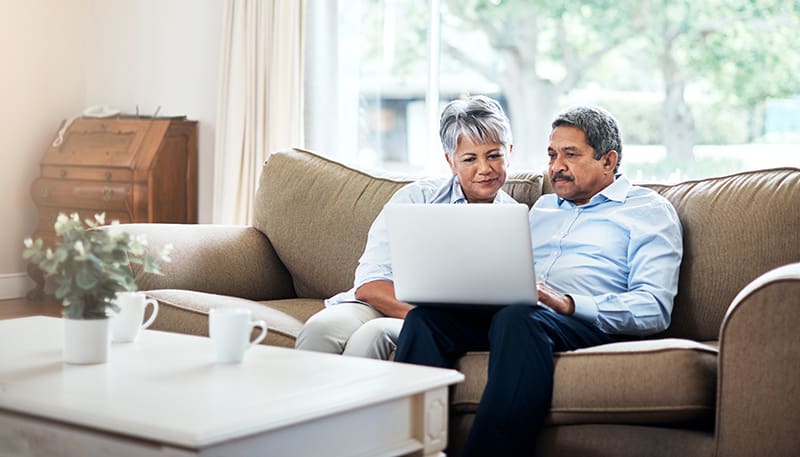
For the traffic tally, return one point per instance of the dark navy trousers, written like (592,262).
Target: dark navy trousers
(521,340)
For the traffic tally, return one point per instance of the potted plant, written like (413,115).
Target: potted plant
(89,266)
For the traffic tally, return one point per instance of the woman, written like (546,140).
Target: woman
(366,320)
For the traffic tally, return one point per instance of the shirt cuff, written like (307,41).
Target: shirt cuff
(361,281)
(585,308)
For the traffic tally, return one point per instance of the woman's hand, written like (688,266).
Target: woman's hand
(380,295)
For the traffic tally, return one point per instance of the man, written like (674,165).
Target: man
(607,256)
(366,320)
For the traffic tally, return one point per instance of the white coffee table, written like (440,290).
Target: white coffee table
(164,395)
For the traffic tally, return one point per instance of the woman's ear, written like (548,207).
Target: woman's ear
(450,162)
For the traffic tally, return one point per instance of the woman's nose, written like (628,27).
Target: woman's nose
(483,166)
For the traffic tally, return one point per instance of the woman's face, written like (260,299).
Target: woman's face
(481,169)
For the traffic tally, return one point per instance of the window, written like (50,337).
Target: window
(699,88)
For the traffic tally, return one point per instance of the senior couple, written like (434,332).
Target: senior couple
(606,252)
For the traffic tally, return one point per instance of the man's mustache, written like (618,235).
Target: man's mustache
(561,175)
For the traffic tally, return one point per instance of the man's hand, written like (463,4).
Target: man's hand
(558,302)
(380,294)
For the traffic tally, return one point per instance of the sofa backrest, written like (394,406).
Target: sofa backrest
(317,212)
(735,228)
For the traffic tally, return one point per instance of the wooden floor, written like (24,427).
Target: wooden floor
(22,307)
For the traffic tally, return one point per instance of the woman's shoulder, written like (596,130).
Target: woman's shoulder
(421,191)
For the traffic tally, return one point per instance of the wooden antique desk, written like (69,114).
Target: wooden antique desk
(133,169)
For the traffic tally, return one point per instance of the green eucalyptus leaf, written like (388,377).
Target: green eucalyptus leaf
(86,279)
(63,289)
(151,265)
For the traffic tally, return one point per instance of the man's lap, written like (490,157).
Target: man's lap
(468,329)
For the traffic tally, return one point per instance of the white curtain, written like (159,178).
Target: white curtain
(260,98)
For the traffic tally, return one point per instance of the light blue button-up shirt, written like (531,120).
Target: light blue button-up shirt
(617,256)
(375,263)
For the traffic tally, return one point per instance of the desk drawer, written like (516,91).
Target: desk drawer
(88,173)
(94,195)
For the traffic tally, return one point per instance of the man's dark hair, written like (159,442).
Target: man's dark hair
(599,126)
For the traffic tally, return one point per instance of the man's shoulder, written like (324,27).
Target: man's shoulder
(643,194)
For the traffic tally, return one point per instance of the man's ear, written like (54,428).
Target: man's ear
(610,159)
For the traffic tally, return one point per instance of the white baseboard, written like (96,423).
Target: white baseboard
(15,285)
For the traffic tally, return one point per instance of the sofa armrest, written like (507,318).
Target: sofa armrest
(758,391)
(238,261)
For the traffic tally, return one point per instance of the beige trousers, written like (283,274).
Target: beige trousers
(351,329)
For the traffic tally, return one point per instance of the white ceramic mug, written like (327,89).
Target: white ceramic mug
(126,324)
(229,329)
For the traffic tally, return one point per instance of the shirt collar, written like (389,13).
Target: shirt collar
(456,192)
(616,191)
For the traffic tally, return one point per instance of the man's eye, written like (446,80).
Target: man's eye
(495,156)
(468,159)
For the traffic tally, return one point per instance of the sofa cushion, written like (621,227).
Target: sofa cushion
(185,311)
(735,228)
(666,381)
(316,212)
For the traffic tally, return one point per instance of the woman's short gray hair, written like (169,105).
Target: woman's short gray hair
(479,118)
(599,126)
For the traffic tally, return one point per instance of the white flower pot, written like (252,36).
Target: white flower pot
(86,341)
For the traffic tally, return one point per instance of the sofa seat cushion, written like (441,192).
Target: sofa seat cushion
(666,381)
(186,311)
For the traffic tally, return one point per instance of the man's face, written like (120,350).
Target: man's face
(481,169)
(574,172)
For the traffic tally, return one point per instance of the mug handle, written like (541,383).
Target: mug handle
(263,326)
(154,302)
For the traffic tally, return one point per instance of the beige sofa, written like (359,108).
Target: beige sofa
(724,380)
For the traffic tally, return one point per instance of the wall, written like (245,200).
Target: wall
(43,46)
(164,53)
(58,57)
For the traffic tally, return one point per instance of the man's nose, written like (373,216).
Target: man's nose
(557,164)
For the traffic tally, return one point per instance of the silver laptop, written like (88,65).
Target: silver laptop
(476,254)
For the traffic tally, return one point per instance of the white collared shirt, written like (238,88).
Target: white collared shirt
(618,256)
(375,263)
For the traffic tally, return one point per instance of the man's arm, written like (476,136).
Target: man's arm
(555,300)
(380,294)
(655,251)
